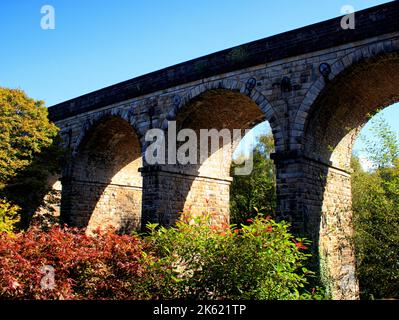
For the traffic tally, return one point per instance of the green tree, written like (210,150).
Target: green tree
(382,147)
(28,151)
(376,215)
(257,191)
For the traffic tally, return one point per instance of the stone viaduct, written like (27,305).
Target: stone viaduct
(316,86)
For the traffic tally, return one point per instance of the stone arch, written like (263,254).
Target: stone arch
(349,99)
(104,187)
(248,89)
(99,117)
(205,186)
(337,68)
(368,80)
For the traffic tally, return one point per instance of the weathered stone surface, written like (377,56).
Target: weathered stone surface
(314,120)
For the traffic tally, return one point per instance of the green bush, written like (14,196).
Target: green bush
(200,261)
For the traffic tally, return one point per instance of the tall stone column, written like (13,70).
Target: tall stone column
(316,198)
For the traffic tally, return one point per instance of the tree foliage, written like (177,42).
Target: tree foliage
(257,191)
(376,215)
(382,147)
(24,132)
(105,266)
(28,151)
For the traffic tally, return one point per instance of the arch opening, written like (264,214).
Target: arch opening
(204,187)
(105,186)
(256,192)
(375,205)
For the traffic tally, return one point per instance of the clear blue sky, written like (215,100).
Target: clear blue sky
(98,43)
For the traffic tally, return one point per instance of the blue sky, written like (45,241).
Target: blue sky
(98,43)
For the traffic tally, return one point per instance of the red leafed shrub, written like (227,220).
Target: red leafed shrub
(105,266)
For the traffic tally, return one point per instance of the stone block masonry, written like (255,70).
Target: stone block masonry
(316,86)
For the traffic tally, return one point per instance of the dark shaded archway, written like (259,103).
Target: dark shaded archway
(104,187)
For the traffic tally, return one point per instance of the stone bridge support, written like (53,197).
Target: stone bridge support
(316,198)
